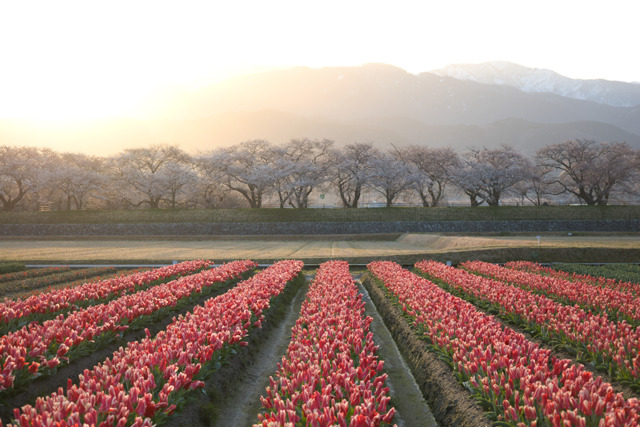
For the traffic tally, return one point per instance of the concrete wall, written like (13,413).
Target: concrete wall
(195,229)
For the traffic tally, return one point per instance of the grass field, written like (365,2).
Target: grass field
(322,215)
(406,248)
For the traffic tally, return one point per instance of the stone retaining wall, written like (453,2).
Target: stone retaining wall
(293,228)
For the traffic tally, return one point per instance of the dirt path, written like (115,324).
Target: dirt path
(449,402)
(243,403)
(406,397)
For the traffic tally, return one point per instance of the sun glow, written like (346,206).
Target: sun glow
(73,59)
(67,100)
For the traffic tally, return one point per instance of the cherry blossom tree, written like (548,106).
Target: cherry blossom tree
(433,169)
(77,177)
(151,175)
(351,170)
(22,172)
(306,163)
(487,173)
(245,168)
(390,177)
(536,187)
(209,194)
(180,180)
(592,171)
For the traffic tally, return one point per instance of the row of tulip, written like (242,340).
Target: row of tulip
(28,286)
(39,347)
(61,299)
(625,273)
(615,304)
(610,346)
(34,272)
(514,379)
(144,383)
(40,286)
(330,374)
(533,267)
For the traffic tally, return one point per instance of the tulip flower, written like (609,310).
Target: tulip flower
(53,339)
(124,386)
(614,303)
(60,299)
(602,282)
(519,381)
(330,374)
(592,336)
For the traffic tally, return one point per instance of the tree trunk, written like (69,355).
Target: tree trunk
(389,198)
(8,203)
(282,198)
(346,202)
(154,202)
(423,198)
(436,196)
(474,201)
(356,196)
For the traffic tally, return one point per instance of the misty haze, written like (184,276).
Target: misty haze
(321,213)
(374,103)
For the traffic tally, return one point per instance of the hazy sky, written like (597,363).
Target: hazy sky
(77,59)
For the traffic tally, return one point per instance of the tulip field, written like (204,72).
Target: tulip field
(331,372)
(518,344)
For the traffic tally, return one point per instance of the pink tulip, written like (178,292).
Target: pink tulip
(620,304)
(318,377)
(524,381)
(593,335)
(59,299)
(173,351)
(35,342)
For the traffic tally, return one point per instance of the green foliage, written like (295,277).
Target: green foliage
(49,277)
(323,215)
(622,272)
(22,273)
(11,267)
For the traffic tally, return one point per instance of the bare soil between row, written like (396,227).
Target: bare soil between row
(231,397)
(45,385)
(450,403)
(558,350)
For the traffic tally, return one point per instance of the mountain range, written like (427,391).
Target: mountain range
(460,106)
(534,80)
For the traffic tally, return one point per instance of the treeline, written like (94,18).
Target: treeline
(257,173)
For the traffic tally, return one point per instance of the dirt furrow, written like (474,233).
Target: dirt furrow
(243,402)
(229,396)
(406,397)
(449,402)
(44,386)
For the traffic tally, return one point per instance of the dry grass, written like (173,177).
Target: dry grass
(435,242)
(408,246)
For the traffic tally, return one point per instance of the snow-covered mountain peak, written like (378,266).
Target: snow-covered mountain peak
(534,80)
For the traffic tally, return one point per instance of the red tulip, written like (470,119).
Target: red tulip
(524,381)
(318,376)
(173,349)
